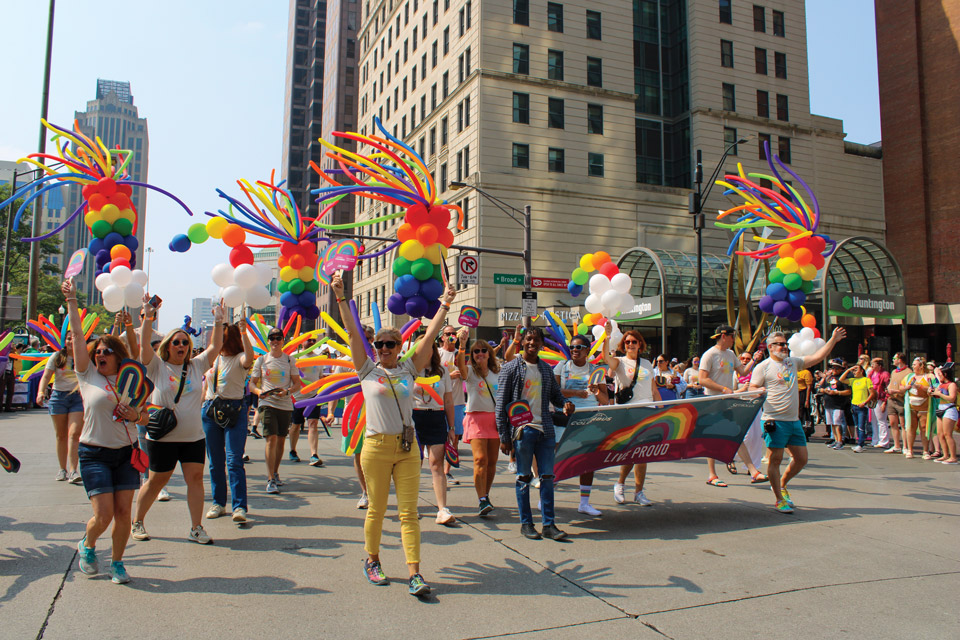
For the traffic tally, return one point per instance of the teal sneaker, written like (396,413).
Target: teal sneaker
(784,507)
(88,558)
(118,574)
(417,586)
(374,572)
(786,496)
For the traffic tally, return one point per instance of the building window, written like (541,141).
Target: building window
(555,64)
(461,24)
(780,64)
(446,84)
(594,72)
(465,206)
(443,178)
(729,97)
(521,12)
(594,30)
(762,141)
(521,58)
(726,12)
(446,41)
(436,11)
(555,17)
(469,13)
(459,119)
(521,156)
(730,138)
(433,141)
(555,113)
(433,97)
(466,58)
(466,162)
(778,23)
(759,19)
(595,118)
(443,132)
(595,164)
(521,108)
(466,111)
(433,55)
(760,56)
(555,161)
(423,67)
(763,104)
(784,149)
(726,53)
(783,110)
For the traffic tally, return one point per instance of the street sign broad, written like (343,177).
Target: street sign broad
(508,278)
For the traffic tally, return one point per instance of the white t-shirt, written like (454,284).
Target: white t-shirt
(691,376)
(382,397)
(721,365)
(624,375)
(423,400)
(782,401)
(275,373)
(99,403)
(231,378)
(64,379)
(166,380)
(449,361)
(533,390)
(481,392)
(578,379)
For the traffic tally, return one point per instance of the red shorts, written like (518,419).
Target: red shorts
(479,425)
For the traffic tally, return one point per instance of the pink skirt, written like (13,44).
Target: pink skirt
(479,425)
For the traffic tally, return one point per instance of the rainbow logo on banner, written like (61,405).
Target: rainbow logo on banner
(674,423)
(469,316)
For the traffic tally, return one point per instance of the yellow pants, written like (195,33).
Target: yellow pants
(382,458)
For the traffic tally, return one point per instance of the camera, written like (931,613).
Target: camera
(769,426)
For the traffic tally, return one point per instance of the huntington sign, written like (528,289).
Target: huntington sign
(865,305)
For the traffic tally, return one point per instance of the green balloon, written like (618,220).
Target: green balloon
(100,228)
(421,269)
(437,272)
(792,281)
(401,266)
(582,329)
(775,275)
(312,286)
(807,287)
(297,286)
(579,276)
(198,233)
(283,286)
(123,227)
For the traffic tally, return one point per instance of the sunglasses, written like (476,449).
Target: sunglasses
(105,351)
(478,351)
(778,344)
(389,344)
(272,338)
(180,343)
(577,347)
(661,361)
(631,342)
(450,336)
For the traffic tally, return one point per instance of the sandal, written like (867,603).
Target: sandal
(732,468)
(758,477)
(716,482)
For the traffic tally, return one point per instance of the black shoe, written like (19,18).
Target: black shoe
(256,434)
(551,532)
(529,531)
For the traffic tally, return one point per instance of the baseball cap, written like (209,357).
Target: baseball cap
(723,329)
(836,362)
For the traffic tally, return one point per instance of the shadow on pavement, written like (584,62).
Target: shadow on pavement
(253,585)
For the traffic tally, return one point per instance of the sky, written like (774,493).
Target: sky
(209,78)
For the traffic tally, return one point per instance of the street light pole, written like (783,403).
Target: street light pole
(4,285)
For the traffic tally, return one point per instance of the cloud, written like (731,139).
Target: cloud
(11,153)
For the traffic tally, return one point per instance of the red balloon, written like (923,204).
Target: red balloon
(439,216)
(817,244)
(818,261)
(445,237)
(241,254)
(88,191)
(120,200)
(609,269)
(107,186)
(417,215)
(406,232)
(816,332)
(306,247)
(117,262)
(310,260)
(289,249)
(427,235)
(125,189)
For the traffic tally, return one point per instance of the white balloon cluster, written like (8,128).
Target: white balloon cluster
(609,296)
(803,343)
(615,334)
(121,287)
(246,283)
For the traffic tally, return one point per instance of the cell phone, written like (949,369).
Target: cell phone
(155,301)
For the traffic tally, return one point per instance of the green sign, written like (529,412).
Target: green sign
(860,305)
(508,278)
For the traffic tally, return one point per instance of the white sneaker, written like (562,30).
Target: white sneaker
(215,512)
(587,508)
(75,478)
(272,486)
(511,467)
(618,493)
(164,496)
(276,479)
(451,480)
(61,475)
(138,532)
(363,502)
(536,482)
(445,517)
(894,450)
(857,449)
(642,499)
(197,534)
(240,514)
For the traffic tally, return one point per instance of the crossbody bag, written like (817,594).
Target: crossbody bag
(625,394)
(164,420)
(222,411)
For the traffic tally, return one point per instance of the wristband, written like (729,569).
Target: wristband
(70,299)
(516,342)
(339,300)
(445,305)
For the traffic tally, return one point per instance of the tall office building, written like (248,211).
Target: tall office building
(113,118)
(591,112)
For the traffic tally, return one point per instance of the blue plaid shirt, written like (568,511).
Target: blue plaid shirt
(510,389)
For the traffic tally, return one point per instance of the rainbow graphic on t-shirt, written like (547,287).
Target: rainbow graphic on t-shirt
(596,378)
(674,423)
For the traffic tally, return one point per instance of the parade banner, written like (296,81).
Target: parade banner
(710,426)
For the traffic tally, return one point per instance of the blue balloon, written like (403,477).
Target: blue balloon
(777,291)
(307,299)
(795,314)
(102,257)
(96,246)
(289,299)
(797,298)
(432,307)
(431,289)
(132,243)
(113,238)
(407,286)
(574,289)
(180,242)
(416,307)
(766,304)
(312,313)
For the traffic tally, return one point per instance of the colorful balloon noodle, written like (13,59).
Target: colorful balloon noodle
(56,338)
(396,175)
(106,189)
(557,340)
(609,290)
(800,254)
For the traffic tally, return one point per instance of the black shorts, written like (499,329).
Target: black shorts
(313,413)
(164,456)
(431,426)
(276,422)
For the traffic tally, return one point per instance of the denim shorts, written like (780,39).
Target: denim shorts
(836,418)
(64,402)
(107,470)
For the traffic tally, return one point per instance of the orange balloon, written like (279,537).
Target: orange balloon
(119,251)
(427,234)
(297,262)
(803,256)
(406,232)
(786,250)
(808,320)
(233,235)
(283,261)
(600,258)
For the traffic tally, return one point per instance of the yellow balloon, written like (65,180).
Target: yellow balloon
(808,272)
(586,262)
(288,273)
(787,265)
(91,217)
(215,227)
(110,213)
(432,253)
(305,274)
(128,214)
(411,250)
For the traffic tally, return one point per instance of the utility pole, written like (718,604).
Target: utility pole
(4,285)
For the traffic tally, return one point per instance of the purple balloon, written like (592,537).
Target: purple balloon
(782,308)
(396,304)
(795,314)
(312,313)
(432,307)
(416,306)
(766,304)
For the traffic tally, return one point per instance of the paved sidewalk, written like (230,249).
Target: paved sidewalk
(872,552)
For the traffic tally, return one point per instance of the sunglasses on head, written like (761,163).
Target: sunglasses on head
(104,351)
(389,344)
(180,343)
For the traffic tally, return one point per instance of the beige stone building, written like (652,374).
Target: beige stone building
(591,113)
